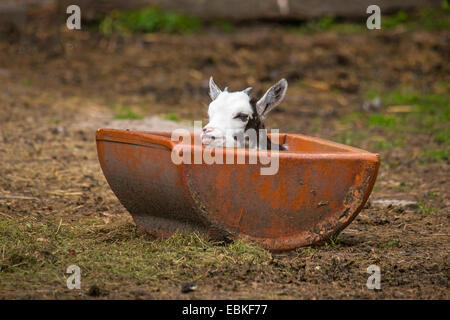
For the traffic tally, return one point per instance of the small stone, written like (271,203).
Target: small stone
(372,105)
(386,204)
(188,287)
(95,291)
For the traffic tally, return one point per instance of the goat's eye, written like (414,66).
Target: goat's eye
(242,116)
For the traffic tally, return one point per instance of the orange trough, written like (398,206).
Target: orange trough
(319,188)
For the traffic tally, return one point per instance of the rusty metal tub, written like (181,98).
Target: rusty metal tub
(320,187)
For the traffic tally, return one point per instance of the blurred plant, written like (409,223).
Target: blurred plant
(429,112)
(424,19)
(443,137)
(438,155)
(430,19)
(125,112)
(381,120)
(333,241)
(350,137)
(223,25)
(379,144)
(26,82)
(171,116)
(317,25)
(426,209)
(148,20)
(389,22)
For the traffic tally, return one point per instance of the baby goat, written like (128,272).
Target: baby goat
(235,119)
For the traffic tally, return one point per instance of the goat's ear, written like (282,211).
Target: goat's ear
(214,90)
(271,98)
(247,91)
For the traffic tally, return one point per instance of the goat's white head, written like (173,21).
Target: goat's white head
(231,114)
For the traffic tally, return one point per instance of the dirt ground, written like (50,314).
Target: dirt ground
(56,208)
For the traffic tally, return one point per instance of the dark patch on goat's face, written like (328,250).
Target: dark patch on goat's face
(254,121)
(256,124)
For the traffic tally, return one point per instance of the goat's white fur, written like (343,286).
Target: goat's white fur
(221,114)
(223,125)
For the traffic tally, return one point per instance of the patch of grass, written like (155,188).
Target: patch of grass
(426,209)
(393,243)
(432,109)
(393,164)
(316,124)
(402,187)
(431,112)
(329,24)
(350,138)
(446,5)
(317,25)
(334,242)
(438,155)
(389,22)
(223,25)
(309,251)
(54,121)
(148,20)
(171,116)
(125,112)
(350,118)
(443,136)
(371,93)
(129,114)
(382,121)
(432,195)
(381,144)
(109,252)
(424,19)
(26,82)
(432,19)
(412,97)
